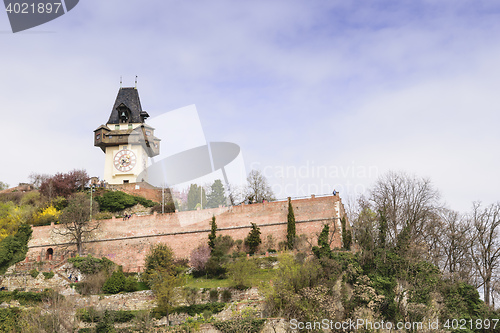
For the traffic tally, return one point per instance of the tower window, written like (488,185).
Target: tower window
(124,147)
(125,182)
(117,127)
(129,126)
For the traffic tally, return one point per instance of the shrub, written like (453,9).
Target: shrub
(115,283)
(91,265)
(34,273)
(131,284)
(145,202)
(169,207)
(48,275)
(249,325)
(199,257)
(90,315)
(47,216)
(116,200)
(103,216)
(214,267)
(31,198)
(9,319)
(214,307)
(25,298)
(240,273)
(60,203)
(13,248)
(190,295)
(92,285)
(214,295)
(226,295)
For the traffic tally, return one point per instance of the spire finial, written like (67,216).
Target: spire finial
(120,81)
(136,82)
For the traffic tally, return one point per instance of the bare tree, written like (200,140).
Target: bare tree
(485,244)
(3,186)
(364,224)
(450,238)
(409,203)
(38,178)
(258,189)
(75,220)
(55,315)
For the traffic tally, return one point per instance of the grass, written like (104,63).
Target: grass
(143,286)
(205,283)
(262,276)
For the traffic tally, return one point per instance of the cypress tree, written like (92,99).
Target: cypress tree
(290,230)
(212,236)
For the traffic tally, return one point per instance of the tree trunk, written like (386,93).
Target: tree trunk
(79,246)
(487,291)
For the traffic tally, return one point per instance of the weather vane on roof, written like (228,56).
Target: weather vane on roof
(136,82)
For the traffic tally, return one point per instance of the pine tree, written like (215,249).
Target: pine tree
(290,230)
(216,197)
(212,236)
(253,240)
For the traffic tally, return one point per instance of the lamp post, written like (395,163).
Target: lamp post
(92,189)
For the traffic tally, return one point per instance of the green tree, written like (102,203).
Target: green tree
(13,248)
(163,286)
(115,283)
(240,273)
(160,259)
(162,275)
(290,230)
(212,236)
(216,197)
(75,220)
(253,240)
(196,196)
(323,249)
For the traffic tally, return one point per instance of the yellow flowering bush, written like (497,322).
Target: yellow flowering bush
(47,216)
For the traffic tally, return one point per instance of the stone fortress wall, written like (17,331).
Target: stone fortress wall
(127,242)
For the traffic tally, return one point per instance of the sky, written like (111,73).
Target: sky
(319,95)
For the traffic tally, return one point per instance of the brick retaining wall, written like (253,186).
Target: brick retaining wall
(127,242)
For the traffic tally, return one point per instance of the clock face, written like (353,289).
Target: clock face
(124,160)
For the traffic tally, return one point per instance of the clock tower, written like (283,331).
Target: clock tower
(126,140)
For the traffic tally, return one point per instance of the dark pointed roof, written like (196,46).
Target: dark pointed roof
(129,97)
